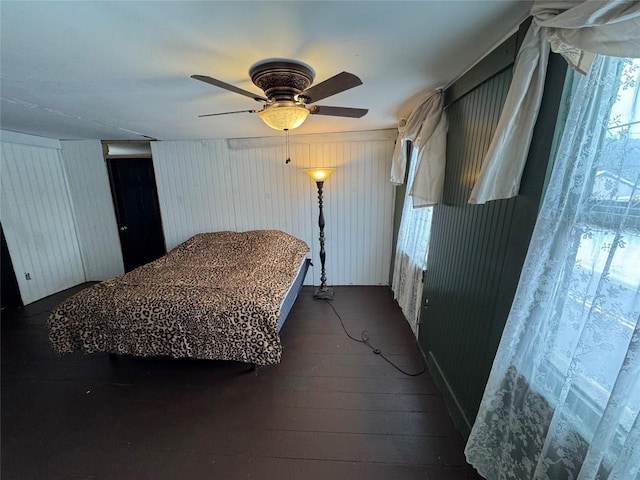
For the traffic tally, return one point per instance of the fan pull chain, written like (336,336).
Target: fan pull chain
(287,141)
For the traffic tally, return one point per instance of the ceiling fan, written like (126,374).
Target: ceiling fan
(288,93)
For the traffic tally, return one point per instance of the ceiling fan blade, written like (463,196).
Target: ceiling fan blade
(338,111)
(336,84)
(226,86)
(227,113)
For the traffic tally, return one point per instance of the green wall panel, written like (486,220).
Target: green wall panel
(477,251)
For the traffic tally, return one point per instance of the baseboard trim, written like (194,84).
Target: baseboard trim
(460,419)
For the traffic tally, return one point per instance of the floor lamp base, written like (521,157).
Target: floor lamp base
(325,293)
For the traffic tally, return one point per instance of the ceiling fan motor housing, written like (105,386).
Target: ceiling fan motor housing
(287,87)
(281,80)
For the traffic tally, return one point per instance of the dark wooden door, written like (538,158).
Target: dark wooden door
(10,292)
(135,197)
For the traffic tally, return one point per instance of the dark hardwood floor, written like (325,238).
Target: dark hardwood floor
(331,410)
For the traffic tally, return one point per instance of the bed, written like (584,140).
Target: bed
(219,296)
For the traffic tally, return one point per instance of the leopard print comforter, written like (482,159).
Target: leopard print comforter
(215,296)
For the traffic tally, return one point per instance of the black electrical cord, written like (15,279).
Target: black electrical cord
(364,338)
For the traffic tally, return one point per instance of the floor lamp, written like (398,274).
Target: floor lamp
(319,175)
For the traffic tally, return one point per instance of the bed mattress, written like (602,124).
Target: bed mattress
(215,296)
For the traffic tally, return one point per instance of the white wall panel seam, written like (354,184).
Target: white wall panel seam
(94,212)
(38,220)
(243,189)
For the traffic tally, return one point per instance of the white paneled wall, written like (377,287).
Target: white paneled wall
(37,216)
(244,184)
(93,207)
(60,227)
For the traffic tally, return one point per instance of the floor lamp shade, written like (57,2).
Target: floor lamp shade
(319,175)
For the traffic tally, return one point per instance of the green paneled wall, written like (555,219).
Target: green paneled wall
(477,251)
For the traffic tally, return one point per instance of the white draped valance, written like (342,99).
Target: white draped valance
(426,128)
(577,31)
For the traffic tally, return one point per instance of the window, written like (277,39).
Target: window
(596,316)
(563,399)
(411,252)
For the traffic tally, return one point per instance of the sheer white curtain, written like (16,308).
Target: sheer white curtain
(563,396)
(426,128)
(411,253)
(575,29)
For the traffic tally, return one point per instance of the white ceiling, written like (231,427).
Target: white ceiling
(121,70)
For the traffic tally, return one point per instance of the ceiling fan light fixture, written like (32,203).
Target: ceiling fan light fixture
(284,116)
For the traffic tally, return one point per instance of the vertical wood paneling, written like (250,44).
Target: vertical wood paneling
(38,222)
(93,207)
(212,185)
(468,247)
(477,251)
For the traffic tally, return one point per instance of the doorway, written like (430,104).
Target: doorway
(135,199)
(10,291)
